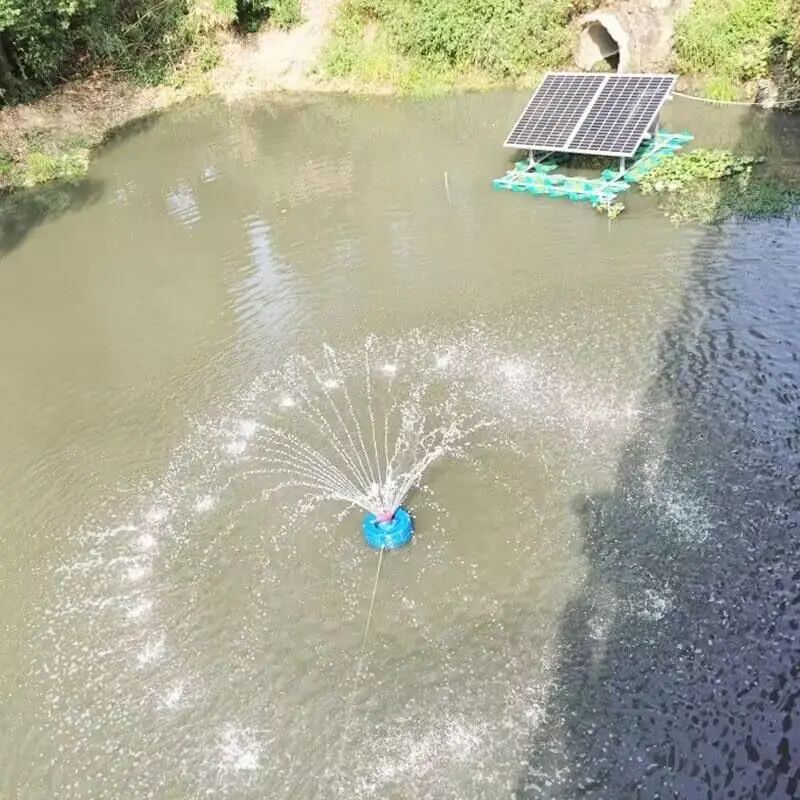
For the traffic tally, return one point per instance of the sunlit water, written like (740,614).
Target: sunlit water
(254,324)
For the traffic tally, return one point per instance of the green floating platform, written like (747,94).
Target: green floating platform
(540,178)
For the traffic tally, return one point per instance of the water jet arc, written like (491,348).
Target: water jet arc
(391,534)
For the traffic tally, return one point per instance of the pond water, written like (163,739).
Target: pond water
(601,596)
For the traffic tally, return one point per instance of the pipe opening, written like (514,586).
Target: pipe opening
(603,44)
(600,48)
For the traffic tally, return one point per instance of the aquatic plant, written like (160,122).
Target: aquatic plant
(709,186)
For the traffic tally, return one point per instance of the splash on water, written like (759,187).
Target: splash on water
(360,431)
(240,750)
(362,427)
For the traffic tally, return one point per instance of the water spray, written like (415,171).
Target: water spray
(344,431)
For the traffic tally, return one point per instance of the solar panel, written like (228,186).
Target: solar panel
(621,114)
(595,114)
(554,110)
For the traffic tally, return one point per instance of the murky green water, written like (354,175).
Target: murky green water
(170,634)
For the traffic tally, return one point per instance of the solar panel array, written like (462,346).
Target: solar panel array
(595,114)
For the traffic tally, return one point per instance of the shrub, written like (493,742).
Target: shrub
(45,41)
(710,186)
(733,39)
(502,38)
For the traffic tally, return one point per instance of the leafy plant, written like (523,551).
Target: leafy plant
(611,210)
(251,14)
(731,40)
(676,173)
(434,38)
(710,186)
(285,14)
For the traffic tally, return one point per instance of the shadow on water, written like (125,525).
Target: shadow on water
(23,211)
(679,669)
(121,133)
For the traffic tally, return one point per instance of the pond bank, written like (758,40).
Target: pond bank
(52,138)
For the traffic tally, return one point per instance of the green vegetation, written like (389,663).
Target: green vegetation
(132,42)
(418,45)
(42,43)
(44,162)
(729,43)
(710,186)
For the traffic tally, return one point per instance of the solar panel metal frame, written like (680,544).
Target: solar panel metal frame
(561,141)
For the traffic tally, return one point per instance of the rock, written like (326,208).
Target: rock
(766,93)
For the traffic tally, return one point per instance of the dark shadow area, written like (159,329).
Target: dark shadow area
(139,125)
(26,209)
(784,65)
(679,672)
(606,46)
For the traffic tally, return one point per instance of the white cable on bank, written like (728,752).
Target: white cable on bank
(776,104)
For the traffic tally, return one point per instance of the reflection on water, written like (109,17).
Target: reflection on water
(172,633)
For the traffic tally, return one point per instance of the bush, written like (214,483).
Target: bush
(43,168)
(502,38)
(45,41)
(36,41)
(731,39)
(285,14)
(711,186)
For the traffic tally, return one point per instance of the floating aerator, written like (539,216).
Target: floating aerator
(390,534)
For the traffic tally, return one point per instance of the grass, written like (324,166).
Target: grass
(730,43)
(191,75)
(43,167)
(424,47)
(427,46)
(38,160)
(370,61)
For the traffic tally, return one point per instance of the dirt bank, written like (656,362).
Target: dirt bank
(52,137)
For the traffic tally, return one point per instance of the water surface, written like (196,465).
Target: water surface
(622,541)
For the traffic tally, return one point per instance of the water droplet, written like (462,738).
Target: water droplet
(173,696)
(331,384)
(140,609)
(389,369)
(247,427)
(146,541)
(156,515)
(240,751)
(512,370)
(150,652)
(287,402)
(442,361)
(205,503)
(137,572)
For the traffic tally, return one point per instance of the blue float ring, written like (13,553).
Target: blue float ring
(388,535)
